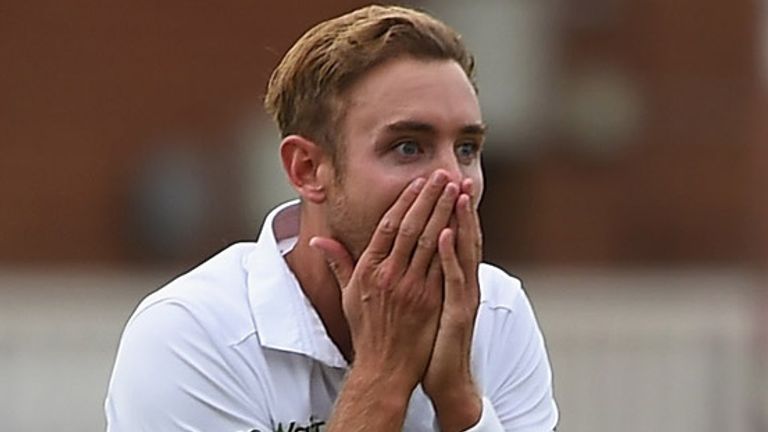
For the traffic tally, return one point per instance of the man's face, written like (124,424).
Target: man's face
(404,119)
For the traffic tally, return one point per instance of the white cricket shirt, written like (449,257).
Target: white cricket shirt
(235,345)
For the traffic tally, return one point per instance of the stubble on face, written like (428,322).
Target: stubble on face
(369,177)
(348,221)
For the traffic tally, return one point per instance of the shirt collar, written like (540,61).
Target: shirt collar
(284,317)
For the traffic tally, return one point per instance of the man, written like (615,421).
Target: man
(364,305)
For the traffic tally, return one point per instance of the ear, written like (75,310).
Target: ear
(306,165)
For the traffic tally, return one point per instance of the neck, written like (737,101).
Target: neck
(318,283)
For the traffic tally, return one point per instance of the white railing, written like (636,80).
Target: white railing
(654,351)
(632,351)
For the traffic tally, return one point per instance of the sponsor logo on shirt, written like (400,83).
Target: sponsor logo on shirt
(312,426)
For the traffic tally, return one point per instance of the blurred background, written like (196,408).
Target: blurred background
(627,173)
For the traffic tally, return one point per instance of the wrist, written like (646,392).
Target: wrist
(457,409)
(367,400)
(393,385)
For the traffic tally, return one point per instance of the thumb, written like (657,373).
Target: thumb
(337,256)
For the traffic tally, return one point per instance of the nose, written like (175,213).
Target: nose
(448,163)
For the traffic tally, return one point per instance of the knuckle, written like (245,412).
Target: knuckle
(426,243)
(455,278)
(384,278)
(388,226)
(370,256)
(409,231)
(413,289)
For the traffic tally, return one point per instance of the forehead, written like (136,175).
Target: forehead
(436,92)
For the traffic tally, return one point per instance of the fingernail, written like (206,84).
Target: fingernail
(439,176)
(469,185)
(451,189)
(418,184)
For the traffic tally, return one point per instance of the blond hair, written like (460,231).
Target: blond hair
(305,92)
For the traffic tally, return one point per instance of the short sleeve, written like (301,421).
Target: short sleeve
(518,376)
(170,376)
(489,421)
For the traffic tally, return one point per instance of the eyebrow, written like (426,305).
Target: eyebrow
(417,126)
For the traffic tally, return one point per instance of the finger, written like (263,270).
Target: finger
(453,275)
(433,287)
(381,241)
(416,218)
(469,242)
(469,187)
(435,273)
(337,256)
(426,245)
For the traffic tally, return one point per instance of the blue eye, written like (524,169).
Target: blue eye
(408,148)
(467,151)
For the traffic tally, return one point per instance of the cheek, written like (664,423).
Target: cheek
(372,195)
(384,194)
(480,182)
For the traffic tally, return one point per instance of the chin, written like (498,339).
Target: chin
(354,241)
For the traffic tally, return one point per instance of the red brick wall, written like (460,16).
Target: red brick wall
(87,86)
(683,189)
